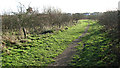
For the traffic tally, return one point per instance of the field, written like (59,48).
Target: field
(95,49)
(39,50)
(38,33)
(39,39)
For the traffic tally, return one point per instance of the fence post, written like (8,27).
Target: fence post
(0,40)
(119,20)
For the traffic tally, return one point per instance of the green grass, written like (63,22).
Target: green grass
(94,49)
(43,48)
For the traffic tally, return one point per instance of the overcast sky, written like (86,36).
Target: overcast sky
(69,6)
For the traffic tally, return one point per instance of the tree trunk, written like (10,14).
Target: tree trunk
(59,25)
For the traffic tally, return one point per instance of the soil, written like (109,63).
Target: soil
(66,57)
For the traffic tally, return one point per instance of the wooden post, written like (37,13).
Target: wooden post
(119,20)
(24,31)
(0,39)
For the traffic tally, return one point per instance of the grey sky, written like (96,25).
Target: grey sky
(70,6)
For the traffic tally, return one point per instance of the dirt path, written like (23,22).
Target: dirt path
(65,58)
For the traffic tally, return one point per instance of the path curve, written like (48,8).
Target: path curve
(66,57)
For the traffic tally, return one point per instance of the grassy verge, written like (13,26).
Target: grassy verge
(41,49)
(94,49)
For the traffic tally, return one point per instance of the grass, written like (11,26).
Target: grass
(41,50)
(94,49)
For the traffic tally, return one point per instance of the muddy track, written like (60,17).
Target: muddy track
(66,57)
